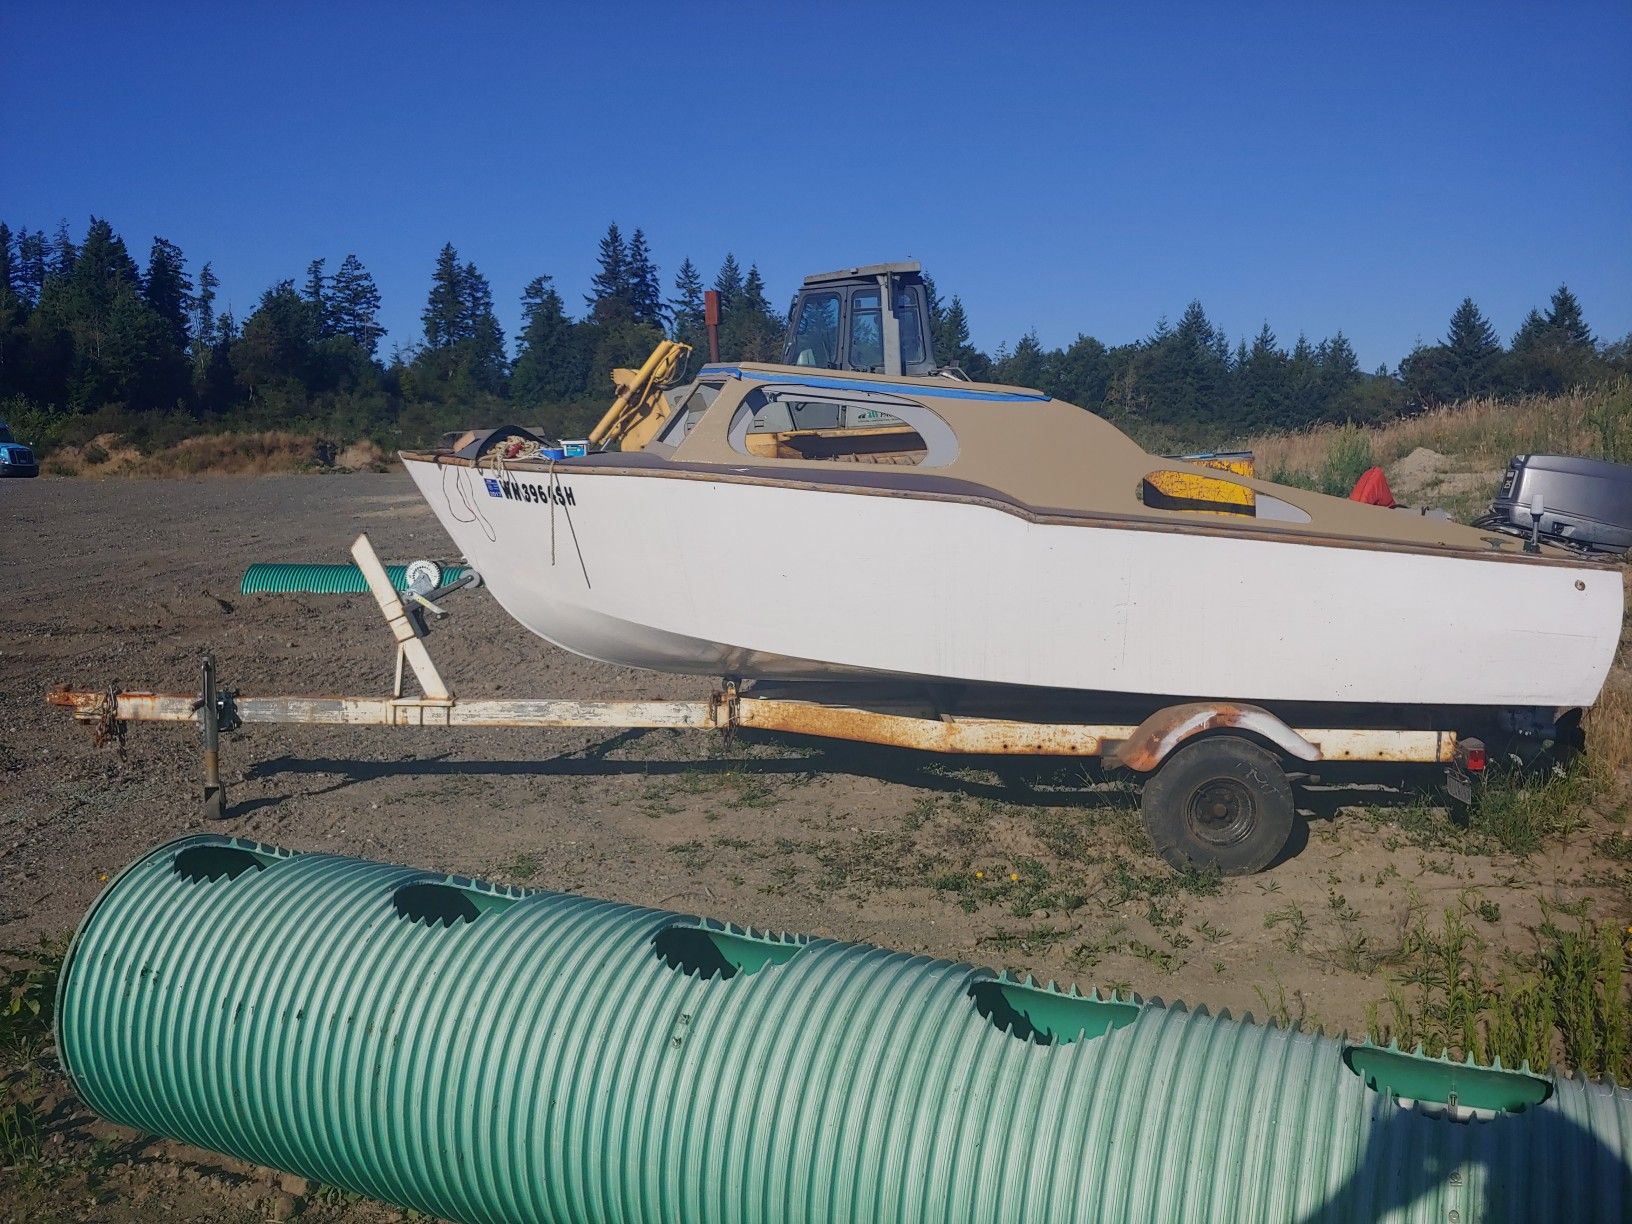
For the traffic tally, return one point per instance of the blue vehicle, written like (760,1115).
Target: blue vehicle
(15,458)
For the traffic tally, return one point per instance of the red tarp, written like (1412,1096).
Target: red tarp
(1372,488)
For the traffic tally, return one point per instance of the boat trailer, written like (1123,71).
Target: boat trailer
(1214,769)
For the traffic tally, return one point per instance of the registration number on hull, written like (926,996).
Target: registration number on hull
(529,491)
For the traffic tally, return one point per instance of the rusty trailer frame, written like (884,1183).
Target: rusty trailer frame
(900,723)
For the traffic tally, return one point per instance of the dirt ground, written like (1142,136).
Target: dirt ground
(127,582)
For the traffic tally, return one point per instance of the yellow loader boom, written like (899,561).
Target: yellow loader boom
(640,410)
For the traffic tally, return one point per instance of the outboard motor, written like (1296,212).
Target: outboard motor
(1582,503)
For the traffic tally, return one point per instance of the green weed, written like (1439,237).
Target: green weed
(28,991)
(1296,923)
(523,867)
(1564,1000)
(1348,456)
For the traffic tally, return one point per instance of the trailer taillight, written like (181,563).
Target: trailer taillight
(1471,754)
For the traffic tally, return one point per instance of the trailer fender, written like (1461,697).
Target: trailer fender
(1154,740)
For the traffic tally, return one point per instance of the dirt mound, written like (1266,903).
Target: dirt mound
(362,456)
(104,455)
(270,452)
(1426,475)
(1417,471)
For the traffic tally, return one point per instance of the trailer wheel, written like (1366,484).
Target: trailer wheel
(1221,803)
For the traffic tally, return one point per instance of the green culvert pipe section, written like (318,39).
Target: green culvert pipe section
(277,579)
(490,1054)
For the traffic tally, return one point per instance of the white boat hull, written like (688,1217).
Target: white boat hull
(724,578)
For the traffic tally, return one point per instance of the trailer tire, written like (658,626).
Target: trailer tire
(1221,803)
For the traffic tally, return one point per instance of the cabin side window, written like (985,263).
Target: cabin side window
(816,332)
(912,329)
(816,425)
(688,413)
(866,332)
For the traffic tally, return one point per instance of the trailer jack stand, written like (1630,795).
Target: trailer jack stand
(215,715)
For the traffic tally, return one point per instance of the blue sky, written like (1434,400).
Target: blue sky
(1061,167)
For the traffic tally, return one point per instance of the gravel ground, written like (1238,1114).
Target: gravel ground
(129,582)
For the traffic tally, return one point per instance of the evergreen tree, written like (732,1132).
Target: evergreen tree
(687,310)
(13,337)
(214,386)
(1180,374)
(485,365)
(1340,381)
(953,346)
(355,305)
(31,266)
(98,268)
(1565,321)
(1472,355)
(728,283)
(1425,373)
(612,293)
(753,294)
(1260,377)
(317,294)
(64,254)
(550,362)
(688,305)
(1339,358)
(8,272)
(645,289)
(750,330)
(1555,351)
(441,316)
(1027,366)
(203,307)
(1303,385)
(168,289)
(951,338)
(1532,331)
(137,363)
(1081,374)
(278,345)
(464,345)
(118,349)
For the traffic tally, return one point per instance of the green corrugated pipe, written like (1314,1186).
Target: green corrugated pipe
(277,579)
(489,1054)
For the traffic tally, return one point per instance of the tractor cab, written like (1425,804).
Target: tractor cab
(872,319)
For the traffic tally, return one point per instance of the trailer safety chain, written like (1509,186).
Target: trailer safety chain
(726,695)
(109,726)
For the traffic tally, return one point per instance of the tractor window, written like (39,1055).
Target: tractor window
(912,331)
(816,334)
(866,332)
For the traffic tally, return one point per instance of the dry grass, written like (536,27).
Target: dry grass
(222,454)
(1480,433)
(1609,722)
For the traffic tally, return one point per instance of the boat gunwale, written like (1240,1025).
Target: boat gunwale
(803,479)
